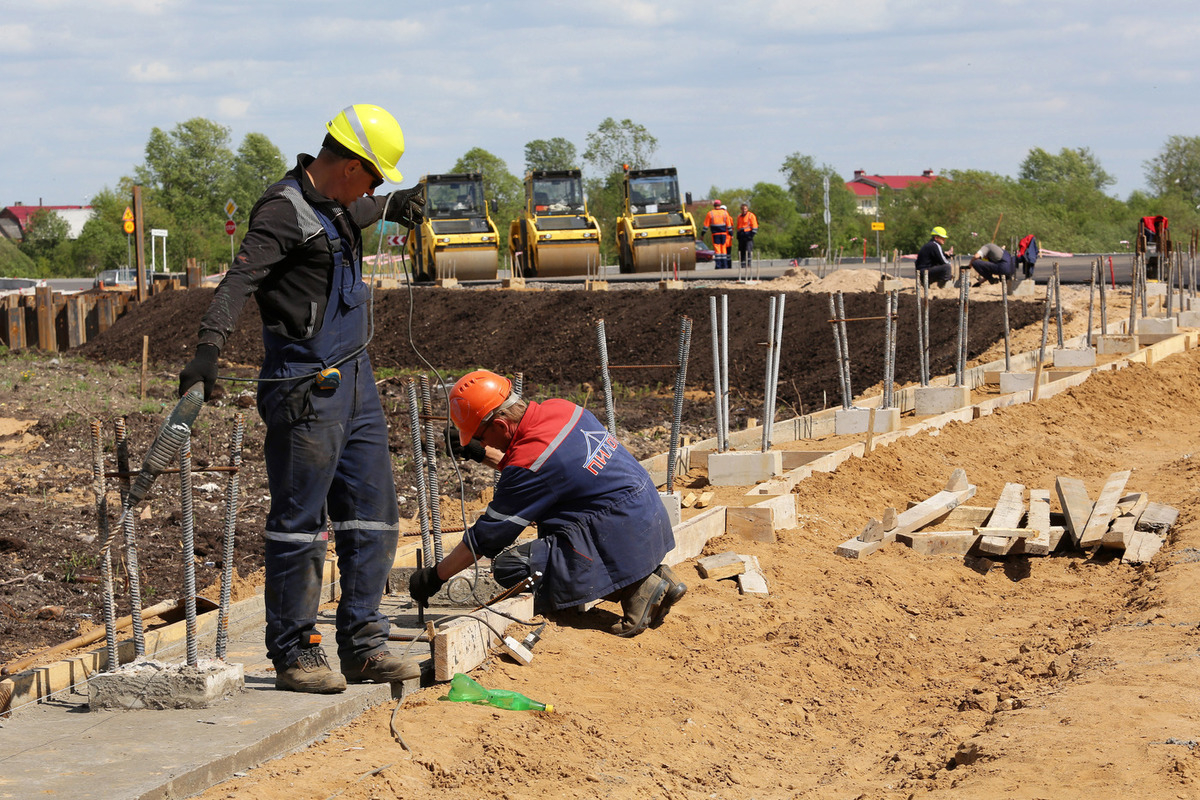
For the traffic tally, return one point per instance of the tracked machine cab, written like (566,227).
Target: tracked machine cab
(655,231)
(458,238)
(554,235)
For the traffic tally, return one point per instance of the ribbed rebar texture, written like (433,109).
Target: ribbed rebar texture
(837,351)
(1046,320)
(1142,276)
(1103,305)
(106,536)
(1134,285)
(1007,332)
(685,344)
(131,552)
(960,361)
(418,460)
(189,549)
(725,366)
(767,374)
(227,535)
(431,452)
(841,317)
(776,353)
(886,400)
(1058,310)
(892,355)
(610,413)
(925,323)
(167,443)
(1087,341)
(718,401)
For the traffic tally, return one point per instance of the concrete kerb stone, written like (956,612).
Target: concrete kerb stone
(850,421)
(1071,357)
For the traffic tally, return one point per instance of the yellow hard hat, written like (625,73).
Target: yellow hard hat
(372,133)
(939,231)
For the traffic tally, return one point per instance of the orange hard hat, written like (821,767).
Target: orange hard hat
(473,400)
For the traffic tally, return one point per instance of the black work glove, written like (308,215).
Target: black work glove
(407,206)
(424,584)
(203,367)
(472,450)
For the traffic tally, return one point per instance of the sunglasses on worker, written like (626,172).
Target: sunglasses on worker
(369,168)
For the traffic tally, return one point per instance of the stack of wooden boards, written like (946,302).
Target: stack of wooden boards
(1118,520)
(745,569)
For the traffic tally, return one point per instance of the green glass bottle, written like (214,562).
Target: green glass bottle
(464,689)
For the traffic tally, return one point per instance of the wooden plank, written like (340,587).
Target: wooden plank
(996,545)
(1158,518)
(784,506)
(1057,532)
(1038,516)
(1010,508)
(1005,533)
(752,581)
(1141,547)
(755,524)
(1119,532)
(925,512)
(693,534)
(856,548)
(688,500)
(704,500)
(1133,504)
(962,517)
(1076,505)
(1103,509)
(1038,545)
(938,543)
(722,565)
(463,644)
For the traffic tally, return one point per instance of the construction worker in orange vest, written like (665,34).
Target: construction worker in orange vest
(747,226)
(720,225)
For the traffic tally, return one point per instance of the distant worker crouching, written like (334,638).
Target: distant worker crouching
(992,261)
(747,226)
(933,259)
(602,530)
(719,224)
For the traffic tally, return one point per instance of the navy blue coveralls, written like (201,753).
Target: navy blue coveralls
(930,257)
(327,459)
(601,525)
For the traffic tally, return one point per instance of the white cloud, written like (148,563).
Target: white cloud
(232,107)
(16,39)
(152,72)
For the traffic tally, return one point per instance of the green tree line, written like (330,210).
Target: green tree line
(189,172)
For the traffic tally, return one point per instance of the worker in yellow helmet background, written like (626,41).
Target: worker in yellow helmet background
(326,445)
(933,259)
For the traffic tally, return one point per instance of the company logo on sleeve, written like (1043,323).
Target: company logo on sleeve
(601,446)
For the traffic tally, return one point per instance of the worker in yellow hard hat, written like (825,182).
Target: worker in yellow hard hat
(326,446)
(933,259)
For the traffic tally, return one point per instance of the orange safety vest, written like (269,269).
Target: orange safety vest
(747,221)
(718,220)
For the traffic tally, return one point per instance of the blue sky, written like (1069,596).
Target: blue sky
(729,89)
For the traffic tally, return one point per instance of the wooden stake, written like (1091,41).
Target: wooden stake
(145,359)
(870,429)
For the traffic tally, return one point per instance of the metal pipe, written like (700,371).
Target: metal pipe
(1103,303)
(1087,341)
(1133,288)
(895,340)
(106,536)
(959,365)
(229,533)
(685,340)
(1007,341)
(716,354)
(414,427)
(609,411)
(841,313)
(725,366)
(770,362)
(131,552)
(189,549)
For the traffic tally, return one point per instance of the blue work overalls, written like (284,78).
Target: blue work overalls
(326,458)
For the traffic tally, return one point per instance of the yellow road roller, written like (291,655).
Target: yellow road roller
(458,238)
(656,232)
(554,235)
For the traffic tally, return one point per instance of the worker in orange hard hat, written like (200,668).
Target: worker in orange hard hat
(719,224)
(326,448)
(602,530)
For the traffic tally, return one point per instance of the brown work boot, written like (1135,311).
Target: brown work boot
(310,673)
(639,602)
(383,667)
(675,592)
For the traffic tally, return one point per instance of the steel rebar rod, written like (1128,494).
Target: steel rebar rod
(1133,288)
(229,533)
(685,341)
(189,549)
(776,354)
(837,350)
(431,481)
(128,534)
(1143,276)
(920,334)
(1087,340)
(887,351)
(928,343)
(106,537)
(1046,319)
(1058,310)
(1007,336)
(1170,297)
(1103,304)
(769,362)
(716,354)
(960,364)
(414,427)
(841,302)
(725,366)
(609,411)
(895,341)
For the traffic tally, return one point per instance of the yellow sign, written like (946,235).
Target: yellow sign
(230,207)
(128,215)
(876,226)
(128,226)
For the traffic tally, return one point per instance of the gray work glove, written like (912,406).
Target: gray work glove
(202,368)
(407,206)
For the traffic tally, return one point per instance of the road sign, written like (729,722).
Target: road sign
(128,226)
(128,215)
(230,208)
(396,240)
(230,227)
(876,226)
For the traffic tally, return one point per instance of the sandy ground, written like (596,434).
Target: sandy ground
(896,676)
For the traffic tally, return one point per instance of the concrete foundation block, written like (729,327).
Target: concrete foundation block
(849,421)
(1023,288)
(596,286)
(512,283)
(1012,382)
(153,684)
(1067,357)
(1115,345)
(670,284)
(931,400)
(671,502)
(1157,325)
(743,469)
(1156,289)
(1189,319)
(446,283)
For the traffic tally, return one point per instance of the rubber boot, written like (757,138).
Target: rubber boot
(639,603)
(380,668)
(310,673)
(676,589)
